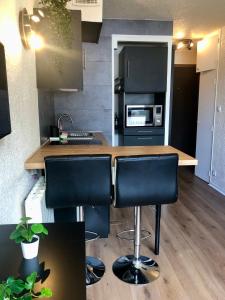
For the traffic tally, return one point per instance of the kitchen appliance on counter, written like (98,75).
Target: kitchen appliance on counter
(143,115)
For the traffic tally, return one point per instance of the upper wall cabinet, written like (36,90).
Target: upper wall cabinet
(60,67)
(144,68)
(207,54)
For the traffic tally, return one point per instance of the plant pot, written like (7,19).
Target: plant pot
(30,250)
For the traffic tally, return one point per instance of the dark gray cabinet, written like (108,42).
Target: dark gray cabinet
(144,68)
(60,67)
(143,131)
(143,136)
(143,140)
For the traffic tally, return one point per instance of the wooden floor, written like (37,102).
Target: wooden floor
(192,253)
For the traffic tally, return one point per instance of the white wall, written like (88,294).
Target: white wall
(185,56)
(15,182)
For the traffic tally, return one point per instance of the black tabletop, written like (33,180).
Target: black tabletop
(60,263)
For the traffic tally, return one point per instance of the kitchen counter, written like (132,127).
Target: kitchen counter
(36,161)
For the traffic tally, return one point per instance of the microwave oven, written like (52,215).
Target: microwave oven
(144,115)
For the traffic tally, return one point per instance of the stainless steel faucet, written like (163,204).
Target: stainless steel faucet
(61,118)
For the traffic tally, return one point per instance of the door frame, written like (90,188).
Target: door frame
(118,38)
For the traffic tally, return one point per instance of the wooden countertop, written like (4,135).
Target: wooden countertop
(36,161)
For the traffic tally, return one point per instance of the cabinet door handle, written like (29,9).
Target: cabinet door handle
(128,69)
(84,59)
(143,131)
(145,138)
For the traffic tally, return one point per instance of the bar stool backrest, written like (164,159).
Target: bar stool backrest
(78,180)
(146,180)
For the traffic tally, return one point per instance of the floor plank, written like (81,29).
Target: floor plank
(192,251)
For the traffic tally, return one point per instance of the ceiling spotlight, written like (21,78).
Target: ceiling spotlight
(28,36)
(35,18)
(35,41)
(180,45)
(187,43)
(190,44)
(41,13)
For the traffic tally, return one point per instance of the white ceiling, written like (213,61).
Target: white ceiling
(194,18)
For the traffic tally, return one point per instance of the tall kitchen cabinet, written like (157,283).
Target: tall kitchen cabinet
(143,73)
(60,67)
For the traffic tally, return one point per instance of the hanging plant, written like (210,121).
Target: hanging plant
(59,21)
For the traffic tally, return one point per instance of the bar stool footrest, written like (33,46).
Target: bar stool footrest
(128,235)
(90,236)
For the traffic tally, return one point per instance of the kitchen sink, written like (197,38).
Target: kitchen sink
(77,142)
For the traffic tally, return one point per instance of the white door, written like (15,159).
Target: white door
(207,93)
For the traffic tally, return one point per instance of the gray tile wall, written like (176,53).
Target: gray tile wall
(46,113)
(91,109)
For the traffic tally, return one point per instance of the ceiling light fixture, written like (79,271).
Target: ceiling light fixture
(180,45)
(185,43)
(28,35)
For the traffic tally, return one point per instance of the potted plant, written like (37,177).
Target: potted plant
(13,289)
(28,236)
(59,20)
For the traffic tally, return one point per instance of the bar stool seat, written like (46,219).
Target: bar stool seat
(142,181)
(77,181)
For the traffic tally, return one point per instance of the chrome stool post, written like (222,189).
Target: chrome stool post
(95,268)
(136,269)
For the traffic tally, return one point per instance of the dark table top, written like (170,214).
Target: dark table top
(60,263)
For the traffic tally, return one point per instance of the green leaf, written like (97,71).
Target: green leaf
(18,226)
(26,297)
(46,292)
(10,280)
(45,230)
(25,234)
(19,240)
(15,234)
(37,228)
(16,285)
(31,278)
(25,219)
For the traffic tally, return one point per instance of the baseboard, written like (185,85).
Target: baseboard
(216,188)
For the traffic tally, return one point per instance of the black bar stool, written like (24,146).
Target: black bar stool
(76,182)
(142,181)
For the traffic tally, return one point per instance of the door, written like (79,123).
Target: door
(207,93)
(185,108)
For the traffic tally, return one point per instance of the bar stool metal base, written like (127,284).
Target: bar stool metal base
(130,271)
(95,270)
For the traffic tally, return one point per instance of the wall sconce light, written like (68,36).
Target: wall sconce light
(30,39)
(188,43)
